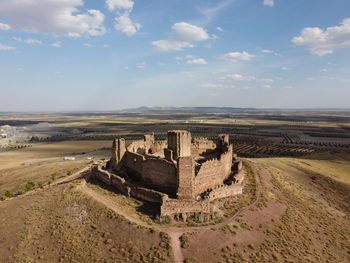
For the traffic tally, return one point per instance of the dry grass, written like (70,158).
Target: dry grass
(303,216)
(43,163)
(63,225)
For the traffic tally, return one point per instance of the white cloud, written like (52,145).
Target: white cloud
(265,80)
(269,2)
(239,77)
(87,45)
(126,25)
(184,35)
(4,47)
(29,41)
(113,5)
(210,12)
(4,27)
(141,65)
(60,17)
(123,22)
(220,29)
(216,86)
(237,56)
(267,51)
(197,61)
(168,45)
(33,41)
(322,42)
(189,33)
(285,68)
(323,70)
(266,86)
(56,44)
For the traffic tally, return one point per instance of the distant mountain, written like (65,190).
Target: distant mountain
(189,109)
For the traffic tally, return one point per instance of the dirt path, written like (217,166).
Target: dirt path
(109,203)
(176,245)
(173,232)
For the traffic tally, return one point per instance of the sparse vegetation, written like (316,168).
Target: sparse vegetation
(8,193)
(300,215)
(29,186)
(184,239)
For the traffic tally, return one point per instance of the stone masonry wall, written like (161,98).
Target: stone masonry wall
(130,190)
(200,145)
(137,146)
(225,191)
(213,172)
(175,206)
(159,174)
(179,142)
(133,162)
(185,177)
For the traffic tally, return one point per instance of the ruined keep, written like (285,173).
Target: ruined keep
(182,174)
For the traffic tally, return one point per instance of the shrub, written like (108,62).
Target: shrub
(8,194)
(29,185)
(184,241)
(53,177)
(40,184)
(69,172)
(19,193)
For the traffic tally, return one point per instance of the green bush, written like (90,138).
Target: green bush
(185,242)
(8,194)
(69,173)
(29,186)
(53,177)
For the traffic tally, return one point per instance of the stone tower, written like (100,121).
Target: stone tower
(179,146)
(180,143)
(118,151)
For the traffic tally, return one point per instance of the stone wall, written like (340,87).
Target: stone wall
(137,146)
(176,206)
(124,187)
(159,174)
(148,195)
(185,177)
(102,175)
(225,191)
(200,145)
(120,184)
(133,162)
(213,172)
(158,147)
(179,142)
(118,152)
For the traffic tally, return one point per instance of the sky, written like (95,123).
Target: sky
(87,55)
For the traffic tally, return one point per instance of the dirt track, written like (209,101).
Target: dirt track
(173,232)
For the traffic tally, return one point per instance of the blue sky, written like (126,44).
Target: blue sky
(112,54)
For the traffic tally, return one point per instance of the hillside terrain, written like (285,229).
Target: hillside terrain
(294,206)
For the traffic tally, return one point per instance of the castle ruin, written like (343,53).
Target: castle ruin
(182,174)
